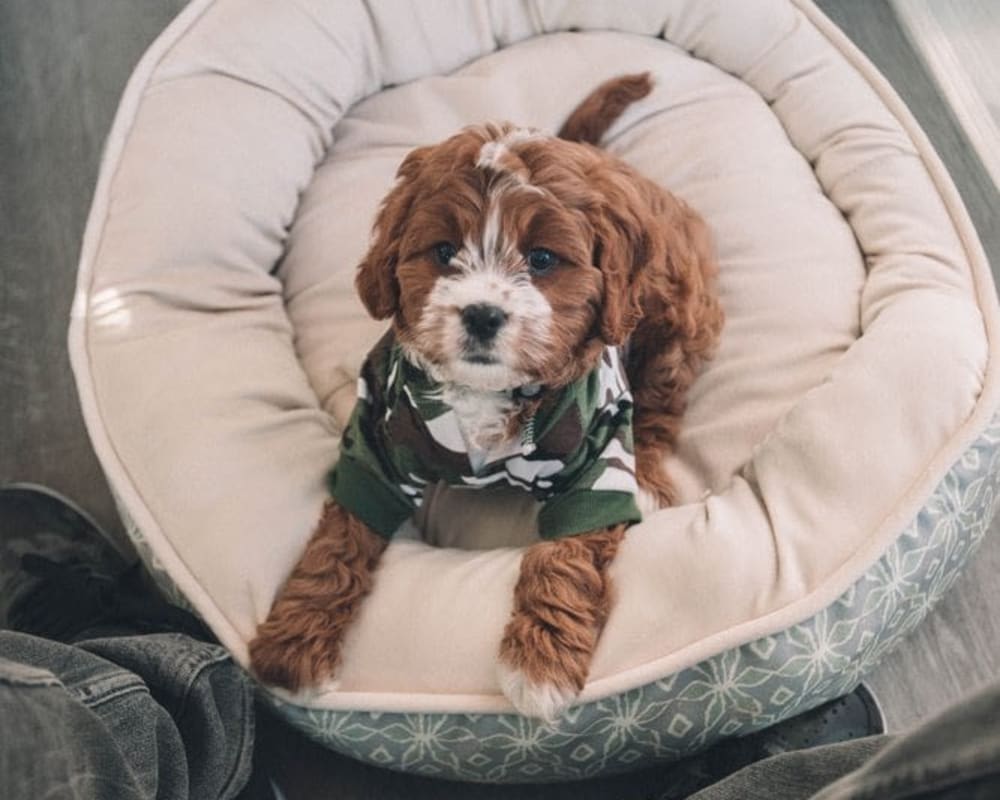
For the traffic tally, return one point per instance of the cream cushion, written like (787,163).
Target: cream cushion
(216,335)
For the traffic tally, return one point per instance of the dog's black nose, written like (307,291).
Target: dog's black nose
(483,320)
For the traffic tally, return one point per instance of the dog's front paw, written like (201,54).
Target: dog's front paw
(298,646)
(292,662)
(542,670)
(561,602)
(534,697)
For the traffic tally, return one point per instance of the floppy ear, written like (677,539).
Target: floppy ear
(656,257)
(626,252)
(376,275)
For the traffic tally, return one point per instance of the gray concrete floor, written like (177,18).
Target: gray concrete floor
(959,40)
(63,64)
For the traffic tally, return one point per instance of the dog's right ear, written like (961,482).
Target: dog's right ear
(376,277)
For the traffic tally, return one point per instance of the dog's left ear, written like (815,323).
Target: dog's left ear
(376,276)
(656,256)
(627,240)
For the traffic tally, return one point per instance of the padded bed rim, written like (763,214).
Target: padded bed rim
(130,498)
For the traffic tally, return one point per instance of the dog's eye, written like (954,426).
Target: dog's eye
(444,252)
(541,261)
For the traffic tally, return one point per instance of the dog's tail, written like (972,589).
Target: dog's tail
(592,118)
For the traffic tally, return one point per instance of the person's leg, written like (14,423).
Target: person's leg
(795,775)
(108,698)
(42,731)
(79,721)
(953,755)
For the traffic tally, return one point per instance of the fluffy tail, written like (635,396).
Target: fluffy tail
(592,118)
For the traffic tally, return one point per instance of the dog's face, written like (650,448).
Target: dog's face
(507,257)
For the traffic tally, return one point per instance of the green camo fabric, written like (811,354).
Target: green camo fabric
(574,454)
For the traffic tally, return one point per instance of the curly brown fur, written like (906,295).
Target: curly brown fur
(299,643)
(561,601)
(678,330)
(659,296)
(592,118)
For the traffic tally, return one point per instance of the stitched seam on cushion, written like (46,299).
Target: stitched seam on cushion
(153,88)
(897,152)
(749,71)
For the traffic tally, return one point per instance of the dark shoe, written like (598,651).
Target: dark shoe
(61,579)
(852,716)
(36,522)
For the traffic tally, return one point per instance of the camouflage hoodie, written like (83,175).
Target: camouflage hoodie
(574,455)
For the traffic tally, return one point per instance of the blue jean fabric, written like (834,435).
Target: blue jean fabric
(129,717)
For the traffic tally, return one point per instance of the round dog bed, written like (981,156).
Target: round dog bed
(839,459)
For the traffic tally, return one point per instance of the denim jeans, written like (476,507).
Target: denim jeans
(952,756)
(125,717)
(163,715)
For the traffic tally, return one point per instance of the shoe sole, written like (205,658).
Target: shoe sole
(875,712)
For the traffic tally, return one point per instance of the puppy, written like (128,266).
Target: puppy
(530,281)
